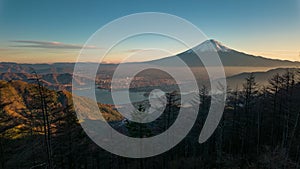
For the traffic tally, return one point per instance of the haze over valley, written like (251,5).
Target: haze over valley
(236,64)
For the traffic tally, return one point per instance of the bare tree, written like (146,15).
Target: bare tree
(46,122)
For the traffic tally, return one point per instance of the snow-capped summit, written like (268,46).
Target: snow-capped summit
(211,45)
(228,57)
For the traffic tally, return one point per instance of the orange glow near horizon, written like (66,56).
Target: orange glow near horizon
(274,50)
(21,56)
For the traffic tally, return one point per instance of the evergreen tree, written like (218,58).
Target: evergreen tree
(249,93)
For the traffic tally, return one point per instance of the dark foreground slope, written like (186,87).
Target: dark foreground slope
(22,143)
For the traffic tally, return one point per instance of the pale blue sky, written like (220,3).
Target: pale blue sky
(270,27)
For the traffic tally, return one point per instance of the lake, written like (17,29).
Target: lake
(104,96)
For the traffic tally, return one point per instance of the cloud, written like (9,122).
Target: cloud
(135,50)
(49,45)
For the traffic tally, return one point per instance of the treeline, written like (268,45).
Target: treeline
(260,126)
(259,129)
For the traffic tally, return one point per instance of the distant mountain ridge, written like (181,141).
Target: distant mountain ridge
(54,81)
(260,77)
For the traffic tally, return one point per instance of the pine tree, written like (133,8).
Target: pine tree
(249,93)
(273,91)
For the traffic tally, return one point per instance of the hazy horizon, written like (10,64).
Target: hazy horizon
(142,54)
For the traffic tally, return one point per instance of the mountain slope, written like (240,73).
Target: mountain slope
(22,139)
(20,106)
(229,57)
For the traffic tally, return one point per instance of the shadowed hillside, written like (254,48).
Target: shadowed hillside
(24,120)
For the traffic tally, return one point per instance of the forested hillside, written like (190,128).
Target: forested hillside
(260,129)
(34,119)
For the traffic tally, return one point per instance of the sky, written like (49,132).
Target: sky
(43,31)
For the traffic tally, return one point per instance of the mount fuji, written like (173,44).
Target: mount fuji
(228,57)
